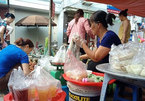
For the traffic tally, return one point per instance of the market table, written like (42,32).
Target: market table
(118,75)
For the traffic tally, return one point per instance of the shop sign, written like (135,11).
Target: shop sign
(112,9)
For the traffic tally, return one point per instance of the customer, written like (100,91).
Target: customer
(9,18)
(13,56)
(125,28)
(79,25)
(99,23)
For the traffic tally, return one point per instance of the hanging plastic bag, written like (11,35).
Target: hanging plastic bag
(74,49)
(74,68)
(60,57)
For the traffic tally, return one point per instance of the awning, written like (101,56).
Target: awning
(135,7)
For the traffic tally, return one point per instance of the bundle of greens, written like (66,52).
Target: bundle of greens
(95,78)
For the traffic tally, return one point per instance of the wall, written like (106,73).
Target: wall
(33,33)
(60,28)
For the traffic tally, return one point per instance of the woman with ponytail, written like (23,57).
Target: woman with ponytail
(99,23)
(13,56)
(9,18)
(125,28)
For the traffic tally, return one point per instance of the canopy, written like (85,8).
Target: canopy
(135,7)
(34,20)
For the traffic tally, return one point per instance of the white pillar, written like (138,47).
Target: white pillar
(12,36)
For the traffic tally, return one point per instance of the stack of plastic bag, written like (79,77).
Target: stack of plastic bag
(122,55)
(74,68)
(60,57)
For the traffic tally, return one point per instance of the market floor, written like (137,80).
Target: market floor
(1,98)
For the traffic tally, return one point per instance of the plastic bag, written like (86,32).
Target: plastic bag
(122,55)
(60,56)
(18,85)
(46,86)
(74,49)
(138,65)
(74,68)
(38,85)
(45,63)
(15,75)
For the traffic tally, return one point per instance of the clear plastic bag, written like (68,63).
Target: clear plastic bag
(122,55)
(137,65)
(60,56)
(45,63)
(74,68)
(18,85)
(15,75)
(46,86)
(74,49)
(38,85)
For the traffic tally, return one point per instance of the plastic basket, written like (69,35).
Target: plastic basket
(88,83)
(60,97)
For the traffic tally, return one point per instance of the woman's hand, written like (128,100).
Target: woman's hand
(85,56)
(79,41)
(26,69)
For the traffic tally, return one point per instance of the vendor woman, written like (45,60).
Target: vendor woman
(99,23)
(13,56)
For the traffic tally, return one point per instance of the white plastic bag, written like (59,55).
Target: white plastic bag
(60,56)
(45,63)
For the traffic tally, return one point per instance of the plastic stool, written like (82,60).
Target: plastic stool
(65,88)
(135,94)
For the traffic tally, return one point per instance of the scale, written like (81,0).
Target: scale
(57,74)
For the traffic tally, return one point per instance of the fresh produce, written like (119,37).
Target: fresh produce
(76,75)
(95,78)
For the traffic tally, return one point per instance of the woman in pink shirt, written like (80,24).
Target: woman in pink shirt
(79,25)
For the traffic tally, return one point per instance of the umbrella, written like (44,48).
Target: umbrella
(34,20)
